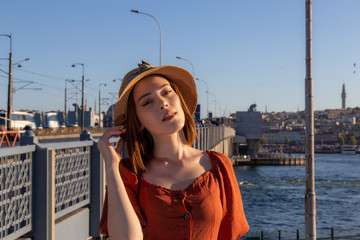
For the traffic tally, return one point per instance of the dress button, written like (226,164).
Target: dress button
(187,216)
(180,196)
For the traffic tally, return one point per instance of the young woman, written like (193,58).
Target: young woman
(165,189)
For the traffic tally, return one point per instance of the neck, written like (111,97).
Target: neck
(172,147)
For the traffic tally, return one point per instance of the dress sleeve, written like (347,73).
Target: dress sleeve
(234,224)
(132,188)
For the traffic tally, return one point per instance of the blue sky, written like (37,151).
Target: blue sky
(247,51)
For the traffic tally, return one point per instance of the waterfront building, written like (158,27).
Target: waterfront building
(334,113)
(278,137)
(248,124)
(271,136)
(326,138)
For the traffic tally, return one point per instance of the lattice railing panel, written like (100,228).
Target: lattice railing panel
(15,194)
(72,178)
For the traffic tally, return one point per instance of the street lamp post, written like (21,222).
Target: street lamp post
(207,96)
(10,86)
(100,84)
(117,79)
(65,107)
(219,107)
(137,11)
(83,92)
(193,69)
(66,80)
(215,100)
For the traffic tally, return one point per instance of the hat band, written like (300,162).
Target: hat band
(143,67)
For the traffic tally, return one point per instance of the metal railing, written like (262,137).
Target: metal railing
(342,233)
(15,191)
(209,137)
(72,176)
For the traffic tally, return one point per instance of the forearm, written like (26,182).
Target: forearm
(123,222)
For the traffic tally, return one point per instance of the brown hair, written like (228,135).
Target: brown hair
(140,144)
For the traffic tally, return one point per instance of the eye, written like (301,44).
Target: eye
(146,102)
(167,92)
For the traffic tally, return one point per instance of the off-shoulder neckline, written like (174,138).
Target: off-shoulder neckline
(198,179)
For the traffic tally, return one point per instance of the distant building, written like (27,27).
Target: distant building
(278,137)
(108,117)
(248,125)
(326,138)
(91,119)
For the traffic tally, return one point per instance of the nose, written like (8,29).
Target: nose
(163,103)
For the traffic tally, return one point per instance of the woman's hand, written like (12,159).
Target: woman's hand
(111,156)
(122,221)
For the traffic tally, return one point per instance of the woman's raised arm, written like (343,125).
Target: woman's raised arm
(123,222)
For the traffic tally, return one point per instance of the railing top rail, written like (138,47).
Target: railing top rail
(16,150)
(61,145)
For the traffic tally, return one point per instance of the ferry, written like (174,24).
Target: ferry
(348,149)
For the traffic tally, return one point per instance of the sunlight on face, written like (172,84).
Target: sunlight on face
(158,107)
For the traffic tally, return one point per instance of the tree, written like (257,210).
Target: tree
(341,140)
(262,140)
(352,140)
(287,140)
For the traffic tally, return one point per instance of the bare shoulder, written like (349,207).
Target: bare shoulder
(202,157)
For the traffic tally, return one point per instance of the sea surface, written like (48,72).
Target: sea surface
(274,196)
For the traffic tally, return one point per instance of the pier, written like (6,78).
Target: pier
(272,159)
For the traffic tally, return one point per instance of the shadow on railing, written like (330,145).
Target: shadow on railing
(42,185)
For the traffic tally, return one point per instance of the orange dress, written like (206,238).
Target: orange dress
(209,208)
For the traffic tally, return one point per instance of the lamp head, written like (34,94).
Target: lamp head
(135,11)
(178,57)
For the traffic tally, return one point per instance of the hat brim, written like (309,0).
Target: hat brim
(180,76)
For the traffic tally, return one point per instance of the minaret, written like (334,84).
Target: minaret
(343,97)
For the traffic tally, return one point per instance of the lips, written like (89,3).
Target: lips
(168,117)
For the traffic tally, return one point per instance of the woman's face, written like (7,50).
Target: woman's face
(158,107)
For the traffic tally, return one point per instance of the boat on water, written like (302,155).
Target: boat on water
(348,149)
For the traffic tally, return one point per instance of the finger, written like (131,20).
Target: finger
(120,146)
(117,127)
(113,132)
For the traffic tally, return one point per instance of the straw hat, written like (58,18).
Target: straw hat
(180,76)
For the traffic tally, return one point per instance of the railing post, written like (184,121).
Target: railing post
(197,140)
(43,191)
(297,234)
(97,184)
(202,137)
(44,194)
(206,133)
(28,138)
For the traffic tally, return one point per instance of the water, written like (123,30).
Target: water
(273,197)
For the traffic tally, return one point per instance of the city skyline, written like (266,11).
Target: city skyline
(246,51)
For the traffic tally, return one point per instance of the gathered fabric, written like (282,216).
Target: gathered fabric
(209,208)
